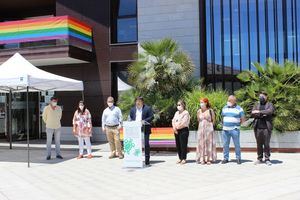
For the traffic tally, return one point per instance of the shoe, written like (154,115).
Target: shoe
(48,158)
(178,162)
(112,156)
(209,163)
(183,162)
(268,162)
(202,163)
(147,162)
(121,156)
(59,157)
(89,156)
(258,162)
(224,161)
(79,156)
(238,161)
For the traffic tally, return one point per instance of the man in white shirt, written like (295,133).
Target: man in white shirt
(143,113)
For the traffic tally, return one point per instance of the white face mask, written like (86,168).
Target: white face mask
(179,108)
(54,103)
(81,107)
(110,104)
(229,104)
(202,105)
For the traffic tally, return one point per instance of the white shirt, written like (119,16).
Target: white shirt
(138,114)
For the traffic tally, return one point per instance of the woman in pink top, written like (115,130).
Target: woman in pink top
(82,129)
(206,148)
(180,124)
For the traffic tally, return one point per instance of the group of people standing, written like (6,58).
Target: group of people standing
(111,125)
(233,116)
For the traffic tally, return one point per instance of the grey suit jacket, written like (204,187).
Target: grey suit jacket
(267,114)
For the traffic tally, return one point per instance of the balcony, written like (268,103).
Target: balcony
(47,41)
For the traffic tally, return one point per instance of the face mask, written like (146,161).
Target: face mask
(110,104)
(81,107)
(54,103)
(229,104)
(262,100)
(179,108)
(202,105)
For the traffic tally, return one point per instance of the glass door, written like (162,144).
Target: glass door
(19,129)
(3,111)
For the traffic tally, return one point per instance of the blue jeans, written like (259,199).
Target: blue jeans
(235,134)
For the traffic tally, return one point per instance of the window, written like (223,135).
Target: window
(123,21)
(241,32)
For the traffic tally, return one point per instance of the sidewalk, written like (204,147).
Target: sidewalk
(101,178)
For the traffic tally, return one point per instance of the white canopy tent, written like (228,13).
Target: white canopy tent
(19,75)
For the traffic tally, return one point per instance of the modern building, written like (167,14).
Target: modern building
(96,40)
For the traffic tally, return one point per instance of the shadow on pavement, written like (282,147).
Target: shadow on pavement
(243,161)
(275,162)
(153,162)
(37,155)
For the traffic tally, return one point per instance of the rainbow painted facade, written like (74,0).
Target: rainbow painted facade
(45,29)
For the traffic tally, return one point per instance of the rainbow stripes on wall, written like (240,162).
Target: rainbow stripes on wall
(160,137)
(50,28)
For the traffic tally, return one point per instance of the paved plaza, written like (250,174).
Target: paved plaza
(101,178)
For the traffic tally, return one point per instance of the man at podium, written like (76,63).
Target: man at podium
(143,113)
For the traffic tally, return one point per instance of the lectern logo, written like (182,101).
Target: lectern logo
(137,152)
(128,145)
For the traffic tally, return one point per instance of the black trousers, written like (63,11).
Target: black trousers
(147,148)
(181,139)
(263,137)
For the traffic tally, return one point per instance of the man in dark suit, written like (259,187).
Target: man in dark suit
(143,113)
(263,115)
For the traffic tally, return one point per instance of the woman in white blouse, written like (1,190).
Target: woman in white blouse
(180,124)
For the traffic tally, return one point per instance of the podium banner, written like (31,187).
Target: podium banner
(132,144)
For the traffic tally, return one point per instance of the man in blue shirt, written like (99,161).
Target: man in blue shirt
(111,124)
(233,116)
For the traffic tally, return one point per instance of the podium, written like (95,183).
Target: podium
(132,141)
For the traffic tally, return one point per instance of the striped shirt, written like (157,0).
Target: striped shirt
(232,117)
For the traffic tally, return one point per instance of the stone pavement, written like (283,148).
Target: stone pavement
(101,178)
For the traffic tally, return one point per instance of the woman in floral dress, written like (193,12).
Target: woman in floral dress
(206,148)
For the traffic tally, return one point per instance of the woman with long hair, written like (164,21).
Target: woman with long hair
(82,129)
(206,148)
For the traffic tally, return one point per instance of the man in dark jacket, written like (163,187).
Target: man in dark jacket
(143,113)
(263,115)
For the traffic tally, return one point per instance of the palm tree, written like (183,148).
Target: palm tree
(161,74)
(282,83)
(161,66)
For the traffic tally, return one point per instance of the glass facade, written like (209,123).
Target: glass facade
(123,21)
(241,32)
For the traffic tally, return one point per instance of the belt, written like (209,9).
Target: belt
(112,126)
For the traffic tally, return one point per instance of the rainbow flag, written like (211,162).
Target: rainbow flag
(51,28)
